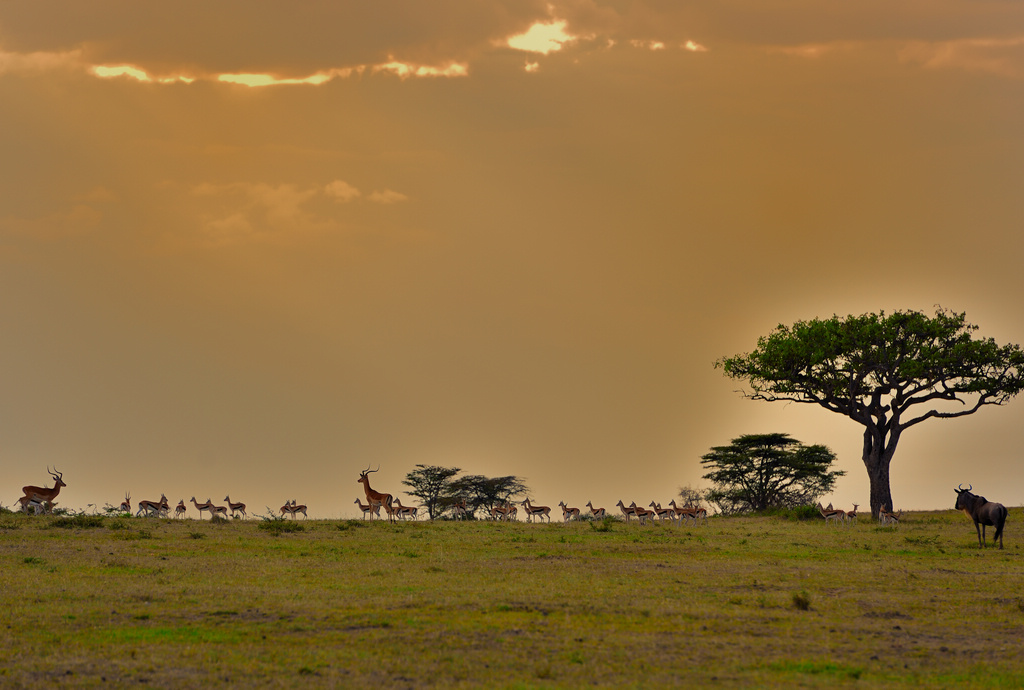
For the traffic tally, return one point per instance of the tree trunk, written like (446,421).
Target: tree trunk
(876,459)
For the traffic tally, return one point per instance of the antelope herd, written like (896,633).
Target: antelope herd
(40,499)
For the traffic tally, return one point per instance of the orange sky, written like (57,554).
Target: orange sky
(506,236)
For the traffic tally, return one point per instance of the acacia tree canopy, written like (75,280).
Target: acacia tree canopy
(432,485)
(761,471)
(885,372)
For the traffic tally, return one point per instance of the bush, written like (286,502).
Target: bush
(278,527)
(77,521)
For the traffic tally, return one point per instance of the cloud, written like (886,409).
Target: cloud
(542,38)
(12,62)
(1003,56)
(388,196)
(341,191)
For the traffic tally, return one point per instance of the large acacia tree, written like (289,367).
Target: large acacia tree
(885,372)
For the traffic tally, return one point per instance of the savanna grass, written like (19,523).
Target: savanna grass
(765,601)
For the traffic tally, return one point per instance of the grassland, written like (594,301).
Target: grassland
(740,601)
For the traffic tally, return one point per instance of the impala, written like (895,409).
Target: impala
(702,514)
(180,509)
(126,504)
(662,513)
(220,512)
(886,517)
(286,509)
(539,511)
(236,507)
(513,512)
(42,494)
(371,509)
(406,511)
(569,513)
(596,512)
(203,506)
(684,513)
(628,511)
(152,507)
(460,509)
(384,499)
(831,513)
(299,509)
(642,514)
(851,515)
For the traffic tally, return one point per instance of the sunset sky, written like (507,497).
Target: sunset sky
(252,248)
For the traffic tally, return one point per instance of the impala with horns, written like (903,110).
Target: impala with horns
(126,504)
(41,494)
(385,500)
(983,512)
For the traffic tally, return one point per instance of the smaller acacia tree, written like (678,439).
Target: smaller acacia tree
(432,485)
(762,471)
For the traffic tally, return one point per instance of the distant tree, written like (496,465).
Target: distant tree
(885,372)
(761,471)
(691,496)
(482,492)
(432,485)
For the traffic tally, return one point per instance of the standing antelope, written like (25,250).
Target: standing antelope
(539,511)
(236,507)
(569,513)
(851,515)
(126,504)
(662,513)
(371,509)
(831,513)
(406,511)
(384,499)
(152,507)
(208,506)
(596,512)
(42,494)
(642,514)
(180,509)
(299,509)
(684,513)
(628,511)
(220,512)
(460,509)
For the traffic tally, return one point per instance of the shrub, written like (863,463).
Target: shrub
(801,600)
(77,521)
(278,527)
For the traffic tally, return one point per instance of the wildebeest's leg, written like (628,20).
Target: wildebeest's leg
(978,527)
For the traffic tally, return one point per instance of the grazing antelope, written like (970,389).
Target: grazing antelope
(41,494)
(208,506)
(371,509)
(628,511)
(596,512)
(180,509)
(539,511)
(406,511)
(236,507)
(662,513)
(569,513)
(152,508)
(126,504)
(831,513)
(983,512)
(384,499)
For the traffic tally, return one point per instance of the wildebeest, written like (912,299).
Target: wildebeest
(983,512)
